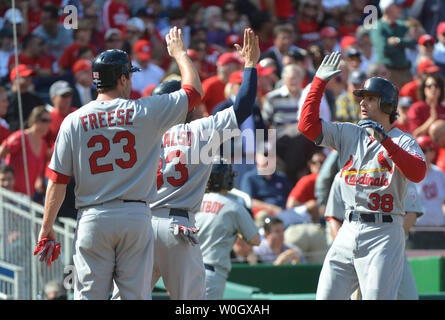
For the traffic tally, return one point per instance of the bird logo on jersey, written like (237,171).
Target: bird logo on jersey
(366,177)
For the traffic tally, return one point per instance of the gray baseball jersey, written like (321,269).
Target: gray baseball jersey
(220,219)
(106,138)
(369,179)
(183,171)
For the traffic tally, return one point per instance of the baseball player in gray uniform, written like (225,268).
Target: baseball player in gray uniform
(335,209)
(181,183)
(377,162)
(221,219)
(111,148)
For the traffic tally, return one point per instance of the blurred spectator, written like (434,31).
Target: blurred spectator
(415,31)
(150,73)
(231,40)
(348,42)
(234,22)
(268,191)
(81,5)
(310,13)
(29,99)
(266,80)
(365,44)
(178,17)
(54,290)
(195,15)
(7,177)
(82,38)
(214,86)
(134,32)
(304,189)
(283,37)
(6,51)
(83,91)
(91,14)
(263,25)
(301,58)
(21,24)
(61,95)
(215,26)
(33,56)
(242,252)
(281,9)
(31,13)
(328,39)
(425,46)
(273,250)
(353,59)
(389,41)
(429,13)
(377,69)
(4,103)
(280,106)
(310,238)
(115,14)
(437,134)
(85,53)
(38,125)
(113,39)
(432,195)
(52,32)
(347,104)
(207,55)
(424,68)
(402,121)
(439,48)
(348,24)
(430,107)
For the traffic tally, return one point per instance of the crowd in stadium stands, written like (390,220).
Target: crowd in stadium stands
(405,43)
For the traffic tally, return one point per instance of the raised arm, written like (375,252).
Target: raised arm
(189,75)
(310,124)
(245,98)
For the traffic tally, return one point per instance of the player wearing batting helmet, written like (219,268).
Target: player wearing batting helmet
(221,219)
(378,162)
(104,146)
(181,183)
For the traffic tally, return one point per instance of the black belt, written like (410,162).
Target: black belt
(179,213)
(141,201)
(368,217)
(209,267)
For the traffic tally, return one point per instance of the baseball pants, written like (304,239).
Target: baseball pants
(113,241)
(215,284)
(367,254)
(178,262)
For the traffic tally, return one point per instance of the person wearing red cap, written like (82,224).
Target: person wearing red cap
(437,133)
(328,39)
(430,107)
(150,73)
(214,86)
(83,91)
(348,42)
(439,48)
(432,196)
(28,97)
(424,68)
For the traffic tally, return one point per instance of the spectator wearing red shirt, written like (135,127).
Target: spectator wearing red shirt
(82,38)
(304,189)
(348,24)
(33,56)
(36,148)
(4,103)
(424,68)
(282,9)
(430,106)
(214,86)
(308,23)
(91,14)
(262,23)
(31,14)
(115,14)
(61,95)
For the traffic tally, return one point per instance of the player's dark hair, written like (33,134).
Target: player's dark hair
(4,168)
(271,221)
(111,88)
(393,117)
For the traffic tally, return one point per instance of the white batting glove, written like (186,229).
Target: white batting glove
(180,227)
